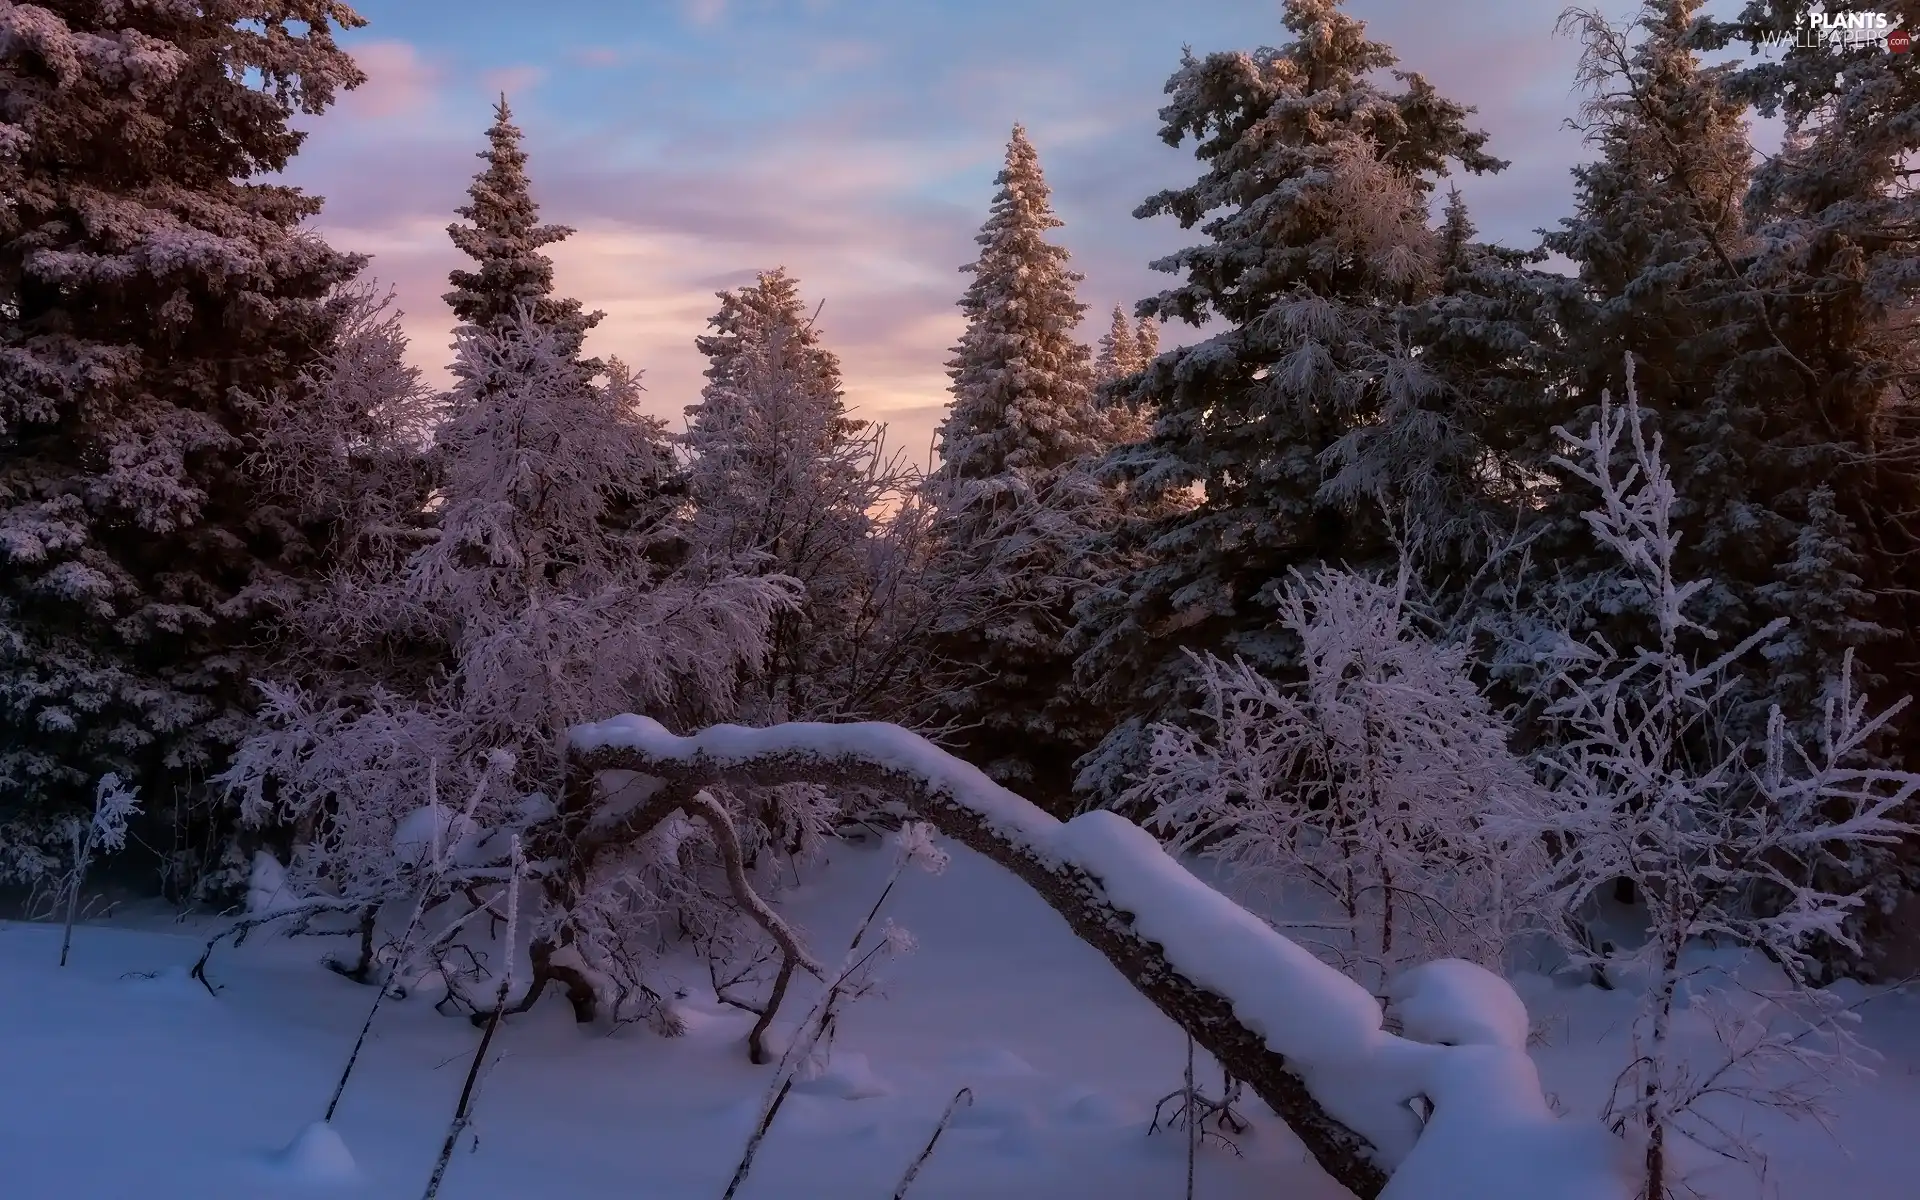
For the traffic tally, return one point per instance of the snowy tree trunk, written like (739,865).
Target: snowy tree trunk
(1078,898)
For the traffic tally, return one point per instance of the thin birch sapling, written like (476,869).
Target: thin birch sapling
(113,803)
(1719,838)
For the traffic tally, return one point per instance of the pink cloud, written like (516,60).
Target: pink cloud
(399,82)
(704,13)
(870,194)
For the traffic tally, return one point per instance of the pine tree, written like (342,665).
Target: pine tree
(149,288)
(1120,351)
(1146,342)
(1011,509)
(1313,201)
(1832,279)
(785,482)
(1667,257)
(503,237)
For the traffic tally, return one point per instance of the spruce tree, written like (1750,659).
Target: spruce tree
(747,314)
(1011,511)
(1454,452)
(784,482)
(1119,351)
(1020,378)
(1672,271)
(1313,203)
(503,236)
(150,287)
(1146,342)
(1832,280)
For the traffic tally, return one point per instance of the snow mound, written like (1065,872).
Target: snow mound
(996,1113)
(848,1076)
(433,829)
(1492,1137)
(991,1060)
(1452,1002)
(316,1156)
(1091,1109)
(267,890)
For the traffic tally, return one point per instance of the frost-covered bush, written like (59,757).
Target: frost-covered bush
(1722,840)
(541,599)
(1371,789)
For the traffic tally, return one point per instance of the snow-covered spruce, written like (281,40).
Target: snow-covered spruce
(784,481)
(1015,511)
(503,235)
(156,267)
(1306,1038)
(1311,153)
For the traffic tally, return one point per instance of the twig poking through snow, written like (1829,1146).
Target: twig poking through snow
(1193,1126)
(463,1111)
(916,847)
(428,891)
(963,1096)
(302,914)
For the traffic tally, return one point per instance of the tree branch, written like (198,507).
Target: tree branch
(772,757)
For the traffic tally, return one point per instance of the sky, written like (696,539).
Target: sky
(692,143)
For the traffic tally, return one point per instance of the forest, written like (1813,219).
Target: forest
(1446,645)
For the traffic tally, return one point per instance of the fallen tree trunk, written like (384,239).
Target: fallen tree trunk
(732,756)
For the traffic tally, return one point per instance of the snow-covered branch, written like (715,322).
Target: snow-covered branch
(1306,1038)
(1371,787)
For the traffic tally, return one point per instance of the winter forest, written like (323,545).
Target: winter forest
(1440,732)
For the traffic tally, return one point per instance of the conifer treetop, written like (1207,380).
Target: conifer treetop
(1021,382)
(1146,340)
(750,315)
(1119,352)
(503,235)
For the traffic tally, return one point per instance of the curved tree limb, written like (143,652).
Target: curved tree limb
(733,756)
(727,838)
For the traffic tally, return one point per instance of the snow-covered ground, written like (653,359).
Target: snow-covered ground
(120,1086)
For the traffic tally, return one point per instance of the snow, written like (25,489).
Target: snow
(1492,1137)
(434,832)
(1327,1025)
(201,1093)
(847,1076)
(267,888)
(1452,1002)
(317,1155)
(879,743)
(1330,1027)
